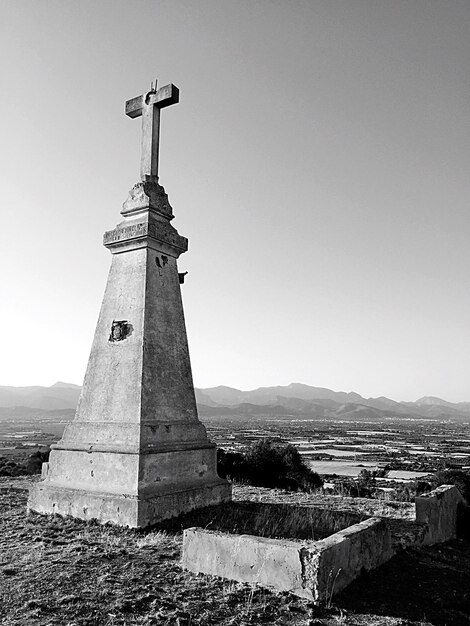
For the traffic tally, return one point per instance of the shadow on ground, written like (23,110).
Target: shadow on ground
(266,519)
(427,584)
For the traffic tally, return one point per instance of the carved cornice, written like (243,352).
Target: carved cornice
(148,228)
(147,195)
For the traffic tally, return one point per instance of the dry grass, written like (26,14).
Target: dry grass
(361,506)
(158,539)
(64,572)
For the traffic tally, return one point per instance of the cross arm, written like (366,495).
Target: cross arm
(134,107)
(164,97)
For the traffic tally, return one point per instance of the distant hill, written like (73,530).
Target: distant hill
(268,395)
(58,396)
(288,400)
(432,401)
(320,402)
(23,412)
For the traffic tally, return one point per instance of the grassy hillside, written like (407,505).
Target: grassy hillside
(56,571)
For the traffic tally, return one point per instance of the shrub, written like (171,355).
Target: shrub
(269,464)
(352,488)
(405,492)
(32,465)
(10,468)
(459,478)
(231,465)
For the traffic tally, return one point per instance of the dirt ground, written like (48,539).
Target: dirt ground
(56,571)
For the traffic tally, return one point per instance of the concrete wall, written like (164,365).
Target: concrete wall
(439,510)
(312,569)
(323,522)
(272,563)
(317,569)
(341,558)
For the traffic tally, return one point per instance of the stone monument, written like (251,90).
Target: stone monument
(136,452)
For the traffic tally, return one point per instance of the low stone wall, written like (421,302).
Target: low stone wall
(439,510)
(315,569)
(268,562)
(342,557)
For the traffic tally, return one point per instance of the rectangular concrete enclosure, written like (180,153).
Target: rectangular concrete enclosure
(311,569)
(136,452)
(315,569)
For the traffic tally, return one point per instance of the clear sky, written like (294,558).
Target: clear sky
(318,161)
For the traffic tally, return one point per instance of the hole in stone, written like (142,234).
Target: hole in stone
(120,330)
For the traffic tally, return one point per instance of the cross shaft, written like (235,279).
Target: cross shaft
(148,106)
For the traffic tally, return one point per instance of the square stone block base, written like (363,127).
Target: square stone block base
(122,509)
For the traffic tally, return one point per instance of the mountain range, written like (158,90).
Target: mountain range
(293,399)
(58,396)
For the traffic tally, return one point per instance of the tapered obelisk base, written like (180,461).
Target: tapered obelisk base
(136,452)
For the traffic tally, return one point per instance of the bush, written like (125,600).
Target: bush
(31,465)
(269,464)
(459,478)
(231,465)
(352,488)
(34,463)
(10,468)
(404,492)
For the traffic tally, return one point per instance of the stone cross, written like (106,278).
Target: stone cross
(148,106)
(136,452)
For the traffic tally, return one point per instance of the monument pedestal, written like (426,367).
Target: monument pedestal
(123,509)
(136,452)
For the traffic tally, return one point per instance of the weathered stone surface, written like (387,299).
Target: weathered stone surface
(136,452)
(272,563)
(334,562)
(148,106)
(320,569)
(439,510)
(311,569)
(147,194)
(163,97)
(122,509)
(136,435)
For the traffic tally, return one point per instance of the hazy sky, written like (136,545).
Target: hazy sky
(318,161)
